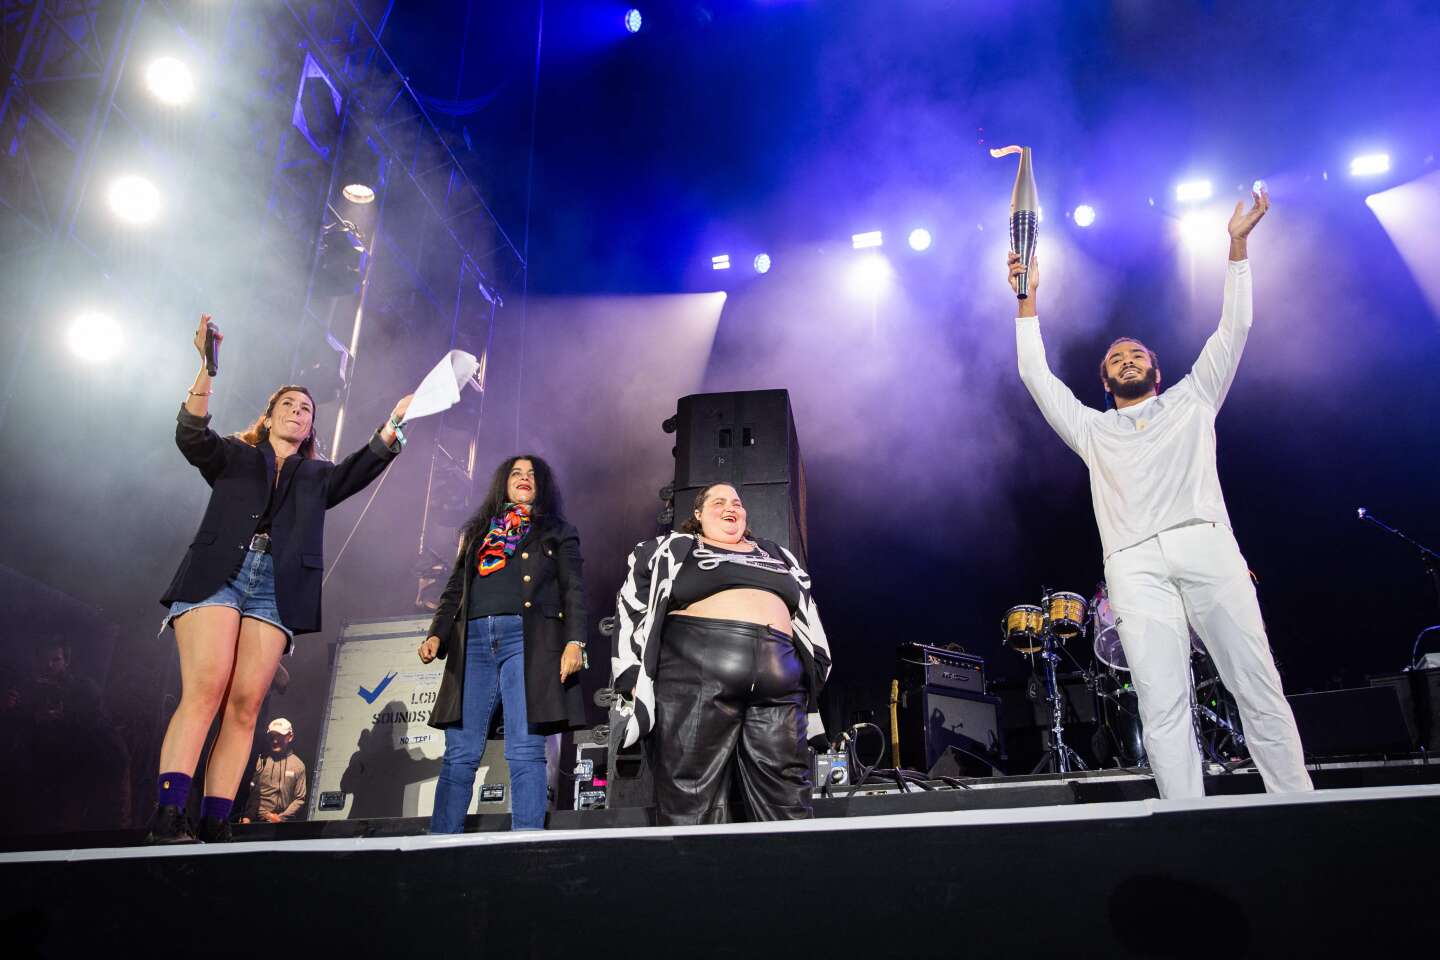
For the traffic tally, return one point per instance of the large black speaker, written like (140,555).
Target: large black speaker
(747,440)
(1361,721)
(1419,692)
(935,720)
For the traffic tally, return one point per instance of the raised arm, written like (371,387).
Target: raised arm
(1215,368)
(1066,415)
(200,445)
(356,471)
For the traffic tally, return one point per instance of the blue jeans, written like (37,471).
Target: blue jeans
(251,591)
(494,665)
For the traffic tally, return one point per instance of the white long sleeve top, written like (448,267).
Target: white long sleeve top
(1152,465)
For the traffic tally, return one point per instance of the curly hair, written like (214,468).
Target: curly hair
(257,433)
(548,505)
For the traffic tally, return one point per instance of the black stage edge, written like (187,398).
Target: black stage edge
(1331,873)
(874,799)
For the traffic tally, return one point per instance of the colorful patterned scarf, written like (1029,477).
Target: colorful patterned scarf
(506,531)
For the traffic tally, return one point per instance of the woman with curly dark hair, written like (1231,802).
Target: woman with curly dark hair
(722,655)
(249,584)
(510,626)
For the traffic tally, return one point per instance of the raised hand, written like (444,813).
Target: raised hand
(1242,221)
(205,322)
(1027,306)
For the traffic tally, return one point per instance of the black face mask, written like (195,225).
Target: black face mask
(1134,389)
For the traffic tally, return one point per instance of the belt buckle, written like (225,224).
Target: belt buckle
(260,543)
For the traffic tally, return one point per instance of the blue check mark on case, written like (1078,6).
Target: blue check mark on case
(371,696)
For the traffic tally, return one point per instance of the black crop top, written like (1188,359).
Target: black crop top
(710,570)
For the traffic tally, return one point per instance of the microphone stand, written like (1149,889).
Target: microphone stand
(1428,557)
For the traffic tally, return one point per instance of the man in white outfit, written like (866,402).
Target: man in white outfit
(1170,557)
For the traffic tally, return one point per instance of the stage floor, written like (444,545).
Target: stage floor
(1333,871)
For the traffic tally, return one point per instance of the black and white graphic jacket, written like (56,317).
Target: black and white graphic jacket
(641,606)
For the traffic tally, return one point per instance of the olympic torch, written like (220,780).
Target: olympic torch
(1024,215)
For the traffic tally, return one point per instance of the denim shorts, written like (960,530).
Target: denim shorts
(251,591)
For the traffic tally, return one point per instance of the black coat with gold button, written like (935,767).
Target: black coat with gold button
(553,614)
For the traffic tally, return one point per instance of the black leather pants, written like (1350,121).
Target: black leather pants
(728,695)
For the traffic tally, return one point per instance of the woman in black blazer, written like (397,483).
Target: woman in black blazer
(510,626)
(248,584)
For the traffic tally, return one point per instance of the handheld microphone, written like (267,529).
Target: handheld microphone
(212,350)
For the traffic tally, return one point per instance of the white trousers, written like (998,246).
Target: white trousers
(1195,574)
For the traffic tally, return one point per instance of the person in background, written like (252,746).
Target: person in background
(277,791)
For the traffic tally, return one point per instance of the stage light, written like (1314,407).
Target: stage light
(94,337)
(358,193)
(863,241)
(762,263)
(1201,228)
(1194,191)
(721,262)
(134,199)
(633,20)
(1370,164)
(170,81)
(342,252)
(870,276)
(1084,215)
(920,239)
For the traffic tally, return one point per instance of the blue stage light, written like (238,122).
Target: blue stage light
(1084,215)
(762,263)
(920,239)
(633,20)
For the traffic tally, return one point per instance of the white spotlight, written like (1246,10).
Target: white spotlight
(94,337)
(1194,191)
(762,263)
(870,276)
(920,239)
(170,81)
(1084,215)
(358,193)
(1200,229)
(134,199)
(863,241)
(1370,164)
(720,262)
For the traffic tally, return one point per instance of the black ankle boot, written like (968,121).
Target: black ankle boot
(170,825)
(214,830)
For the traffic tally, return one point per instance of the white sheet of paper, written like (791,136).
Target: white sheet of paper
(440,390)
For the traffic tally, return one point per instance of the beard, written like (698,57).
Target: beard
(1134,389)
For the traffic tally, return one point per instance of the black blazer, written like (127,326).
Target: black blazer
(553,594)
(240,477)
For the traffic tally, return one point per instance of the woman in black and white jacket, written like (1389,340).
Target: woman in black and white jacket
(721,651)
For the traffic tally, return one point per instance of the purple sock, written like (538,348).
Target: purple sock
(173,788)
(217,807)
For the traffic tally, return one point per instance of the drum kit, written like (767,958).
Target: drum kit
(1055,626)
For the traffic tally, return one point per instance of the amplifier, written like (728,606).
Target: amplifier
(921,665)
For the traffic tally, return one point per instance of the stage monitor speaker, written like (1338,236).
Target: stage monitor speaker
(748,440)
(1361,721)
(1419,693)
(934,721)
